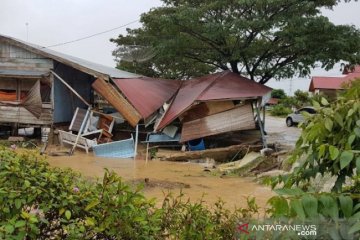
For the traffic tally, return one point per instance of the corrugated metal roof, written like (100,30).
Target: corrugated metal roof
(219,86)
(147,95)
(25,73)
(334,83)
(64,58)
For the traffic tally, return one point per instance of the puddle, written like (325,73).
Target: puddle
(161,177)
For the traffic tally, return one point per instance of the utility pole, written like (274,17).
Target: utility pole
(27,31)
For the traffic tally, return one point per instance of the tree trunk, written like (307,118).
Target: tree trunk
(234,66)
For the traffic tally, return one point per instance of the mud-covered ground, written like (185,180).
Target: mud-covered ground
(160,178)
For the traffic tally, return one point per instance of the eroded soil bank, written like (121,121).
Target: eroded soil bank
(160,177)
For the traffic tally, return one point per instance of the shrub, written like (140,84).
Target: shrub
(280,110)
(39,202)
(278,93)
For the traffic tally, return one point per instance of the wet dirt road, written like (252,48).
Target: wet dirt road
(278,132)
(170,176)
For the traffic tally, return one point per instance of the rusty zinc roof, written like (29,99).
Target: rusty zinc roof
(334,83)
(219,86)
(147,94)
(91,68)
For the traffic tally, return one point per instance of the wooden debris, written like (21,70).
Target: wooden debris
(282,152)
(272,173)
(266,151)
(218,154)
(16,139)
(246,164)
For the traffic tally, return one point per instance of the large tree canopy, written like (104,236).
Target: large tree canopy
(261,39)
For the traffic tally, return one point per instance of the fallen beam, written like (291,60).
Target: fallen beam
(218,154)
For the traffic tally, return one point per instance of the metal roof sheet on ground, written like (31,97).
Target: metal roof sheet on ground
(147,95)
(118,149)
(218,86)
(64,58)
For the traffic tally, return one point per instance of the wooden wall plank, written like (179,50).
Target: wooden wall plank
(16,58)
(119,102)
(205,109)
(10,114)
(239,118)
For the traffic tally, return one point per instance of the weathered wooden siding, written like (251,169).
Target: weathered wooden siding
(11,83)
(205,109)
(239,118)
(65,102)
(15,58)
(10,114)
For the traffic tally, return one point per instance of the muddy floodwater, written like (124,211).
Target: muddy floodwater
(162,177)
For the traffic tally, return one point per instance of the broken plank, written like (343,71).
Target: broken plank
(218,154)
(246,164)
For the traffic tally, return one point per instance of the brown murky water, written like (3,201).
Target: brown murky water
(170,176)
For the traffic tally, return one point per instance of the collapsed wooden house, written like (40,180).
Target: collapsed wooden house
(41,87)
(35,81)
(216,104)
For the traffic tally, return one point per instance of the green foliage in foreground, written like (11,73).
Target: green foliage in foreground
(38,202)
(337,216)
(330,142)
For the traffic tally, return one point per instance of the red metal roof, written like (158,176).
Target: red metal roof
(273,101)
(219,86)
(334,83)
(147,94)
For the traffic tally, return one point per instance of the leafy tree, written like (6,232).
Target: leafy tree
(261,39)
(278,93)
(302,97)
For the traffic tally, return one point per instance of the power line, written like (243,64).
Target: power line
(92,35)
(82,38)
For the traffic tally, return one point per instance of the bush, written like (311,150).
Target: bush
(280,110)
(39,202)
(278,93)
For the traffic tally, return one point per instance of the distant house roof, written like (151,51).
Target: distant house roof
(91,68)
(273,101)
(147,94)
(219,86)
(333,83)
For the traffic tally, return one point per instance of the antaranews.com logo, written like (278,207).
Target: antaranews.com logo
(299,229)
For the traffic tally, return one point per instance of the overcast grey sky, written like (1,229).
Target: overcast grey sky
(55,21)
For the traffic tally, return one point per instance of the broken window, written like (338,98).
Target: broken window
(16,89)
